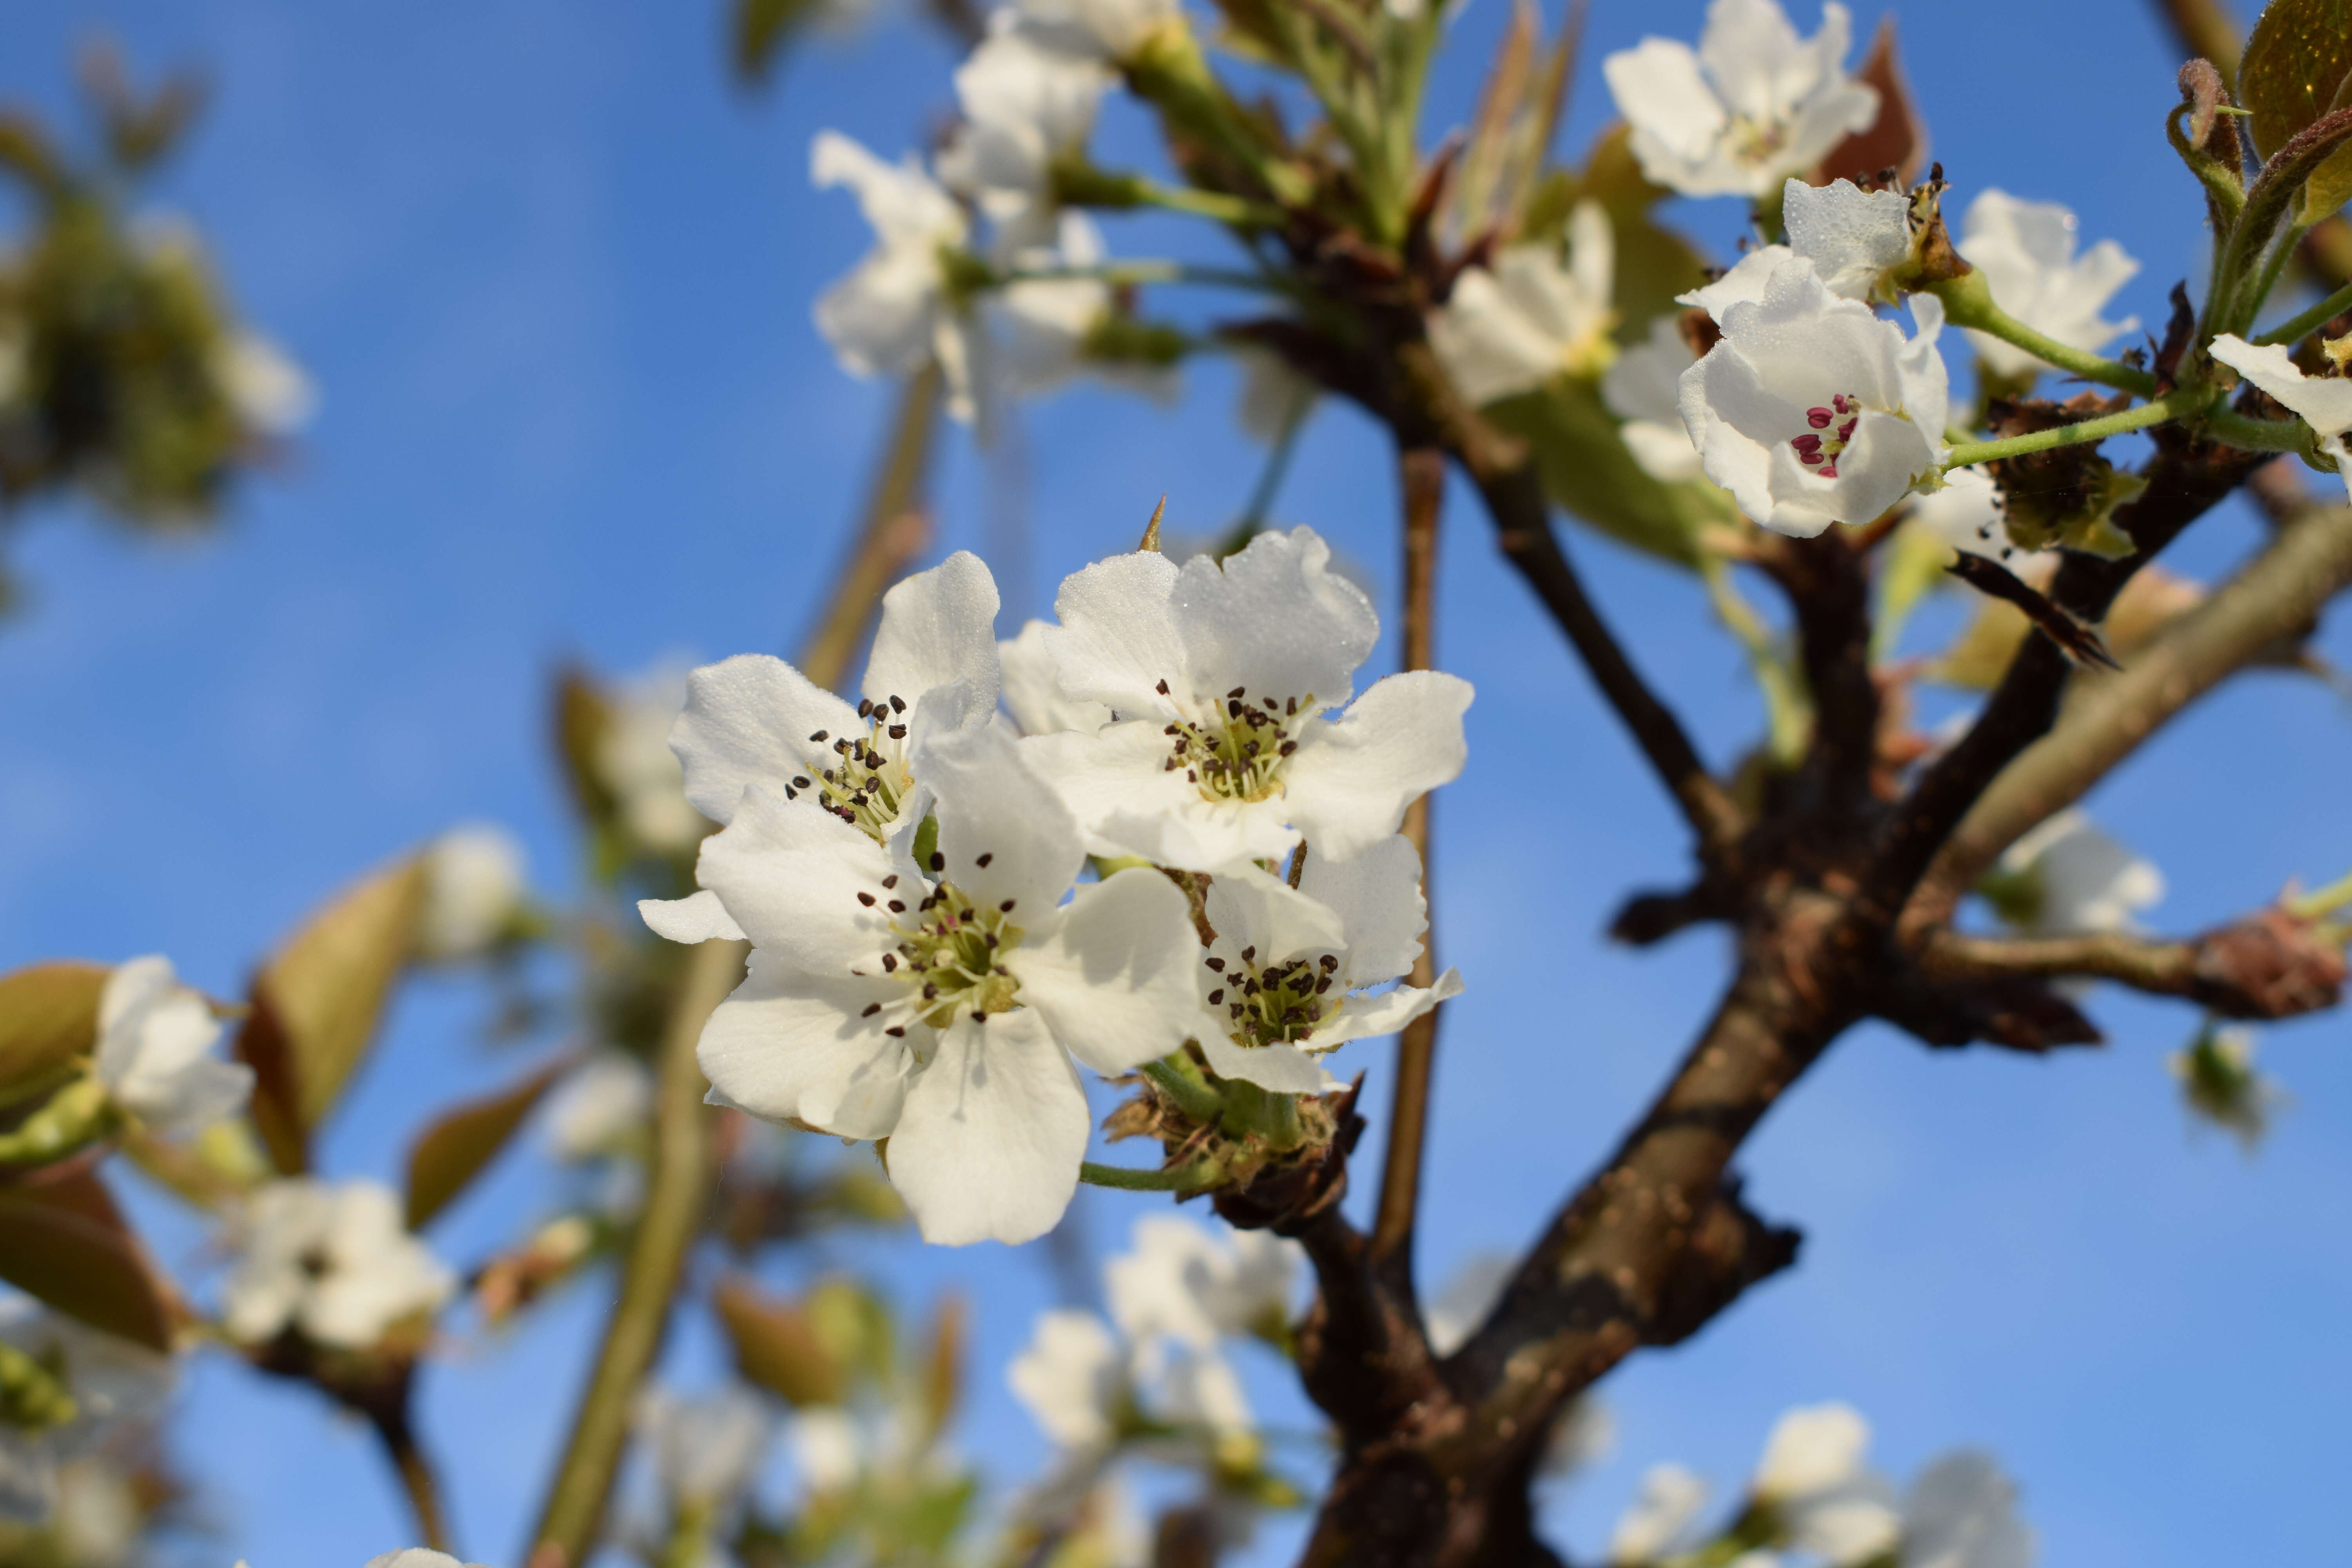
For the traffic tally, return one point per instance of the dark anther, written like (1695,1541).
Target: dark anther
(1238,692)
(897,731)
(939,861)
(865,707)
(871,1008)
(891,880)
(798,783)
(897,908)
(1164,689)
(984,859)
(817,739)
(1004,908)
(1216,964)
(1249,955)
(1216,997)
(890,961)
(978,1016)
(1285,749)
(897,1031)
(897,706)
(866,898)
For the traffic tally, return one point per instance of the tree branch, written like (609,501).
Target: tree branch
(2185,479)
(417,1481)
(2275,597)
(2267,965)
(1831,598)
(1522,519)
(1420,474)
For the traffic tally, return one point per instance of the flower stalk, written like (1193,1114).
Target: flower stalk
(1968,303)
(2185,402)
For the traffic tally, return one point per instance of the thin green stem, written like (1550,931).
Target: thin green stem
(1182,1080)
(1968,303)
(2295,328)
(2322,901)
(1120,273)
(2188,400)
(2279,255)
(1239,212)
(2258,435)
(1191,1176)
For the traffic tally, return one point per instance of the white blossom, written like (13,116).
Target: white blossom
(826,1448)
(895,311)
(1641,387)
(706,1449)
(2067,877)
(1274,396)
(415,1557)
(99,1516)
(1180,1282)
(1039,329)
(1853,236)
(1071,1378)
(1812,410)
(330,1261)
(2221,1085)
(1967,515)
(108,1380)
(1658,1522)
(473,890)
(1224,676)
(939,1005)
(1279,984)
(600,1107)
(1033,691)
(2322,402)
(155,1056)
(269,390)
(1751,106)
(1961,1512)
(2026,252)
(1812,1473)
(1511,328)
(1112,30)
(1743,284)
(755,722)
(633,761)
(1025,104)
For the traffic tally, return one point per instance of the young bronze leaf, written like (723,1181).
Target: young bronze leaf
(582,718)
(63,1241)
(2295,67)
(943,1364)
(263,1045)
(329,983)
(48,1016)
(455,1146)
(777,1347)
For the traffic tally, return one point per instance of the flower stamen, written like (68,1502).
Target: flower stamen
(1819,451)
(951,956)
(866,787)
(1237,752)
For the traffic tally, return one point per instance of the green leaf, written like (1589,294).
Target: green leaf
(323,993)
(2298,67)
(777,1346)
(48,1016)
(943,1358)
(457,1144)
(63,1241)
(1587,470)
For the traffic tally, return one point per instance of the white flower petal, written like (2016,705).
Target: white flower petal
(1033,689)
(1811,1448)
(1128,803)
(1349,782)
(1247,908)
(1276,1067)
(1962,1514)
(1118,638)
(1369,1017)
(789,1045)
(1275,620)
(1113,974)
(937,628)
(1006,837)
(791,877)
(1068,1377)
(2323,402)
(992,1134)
(1661,1516)
(1377,896)
(1853,236)
(697,917)
(748,720)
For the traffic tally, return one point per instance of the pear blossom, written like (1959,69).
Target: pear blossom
(1967,515)
(1812,410)
(1025,104)
(1279,984)
(632,759)
(937,1005)
(1658,1524)
(328,1261)
(755,722)
(1742,284)
(1510,329)
(2026,252)
(1039,327)
(154,1054)
(107,1380)
(2221,1085)
(473,891)
(415,1557)
(1227,678)
(2066,876)
(1274,397)
(706,1450)
(1032,692)
(897,311)
(1641,387)
(2322,402)
(1853,236)
(1111,30)
(99,1514)
(1751,106)
(825,1447)
(1811,1474)
(1072,1378)
(1182,1282)
(600,1107)
(1961,1512)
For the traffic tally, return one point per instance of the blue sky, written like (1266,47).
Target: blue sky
(552,275)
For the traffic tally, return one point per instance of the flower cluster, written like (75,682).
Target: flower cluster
(331,1264)
(929,957)
(949,280)
(1813,1497)
(63,1387)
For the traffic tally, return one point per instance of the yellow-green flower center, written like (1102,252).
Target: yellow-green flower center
(1278,1005)
(951,952)
(1237,752)
(868,779)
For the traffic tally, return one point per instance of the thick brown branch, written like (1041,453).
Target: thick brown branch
(1515,497)
(1421,475)
(2185,480)
(2268,965)
(1831,598)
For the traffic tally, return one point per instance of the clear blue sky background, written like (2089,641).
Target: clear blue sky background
(553,277)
